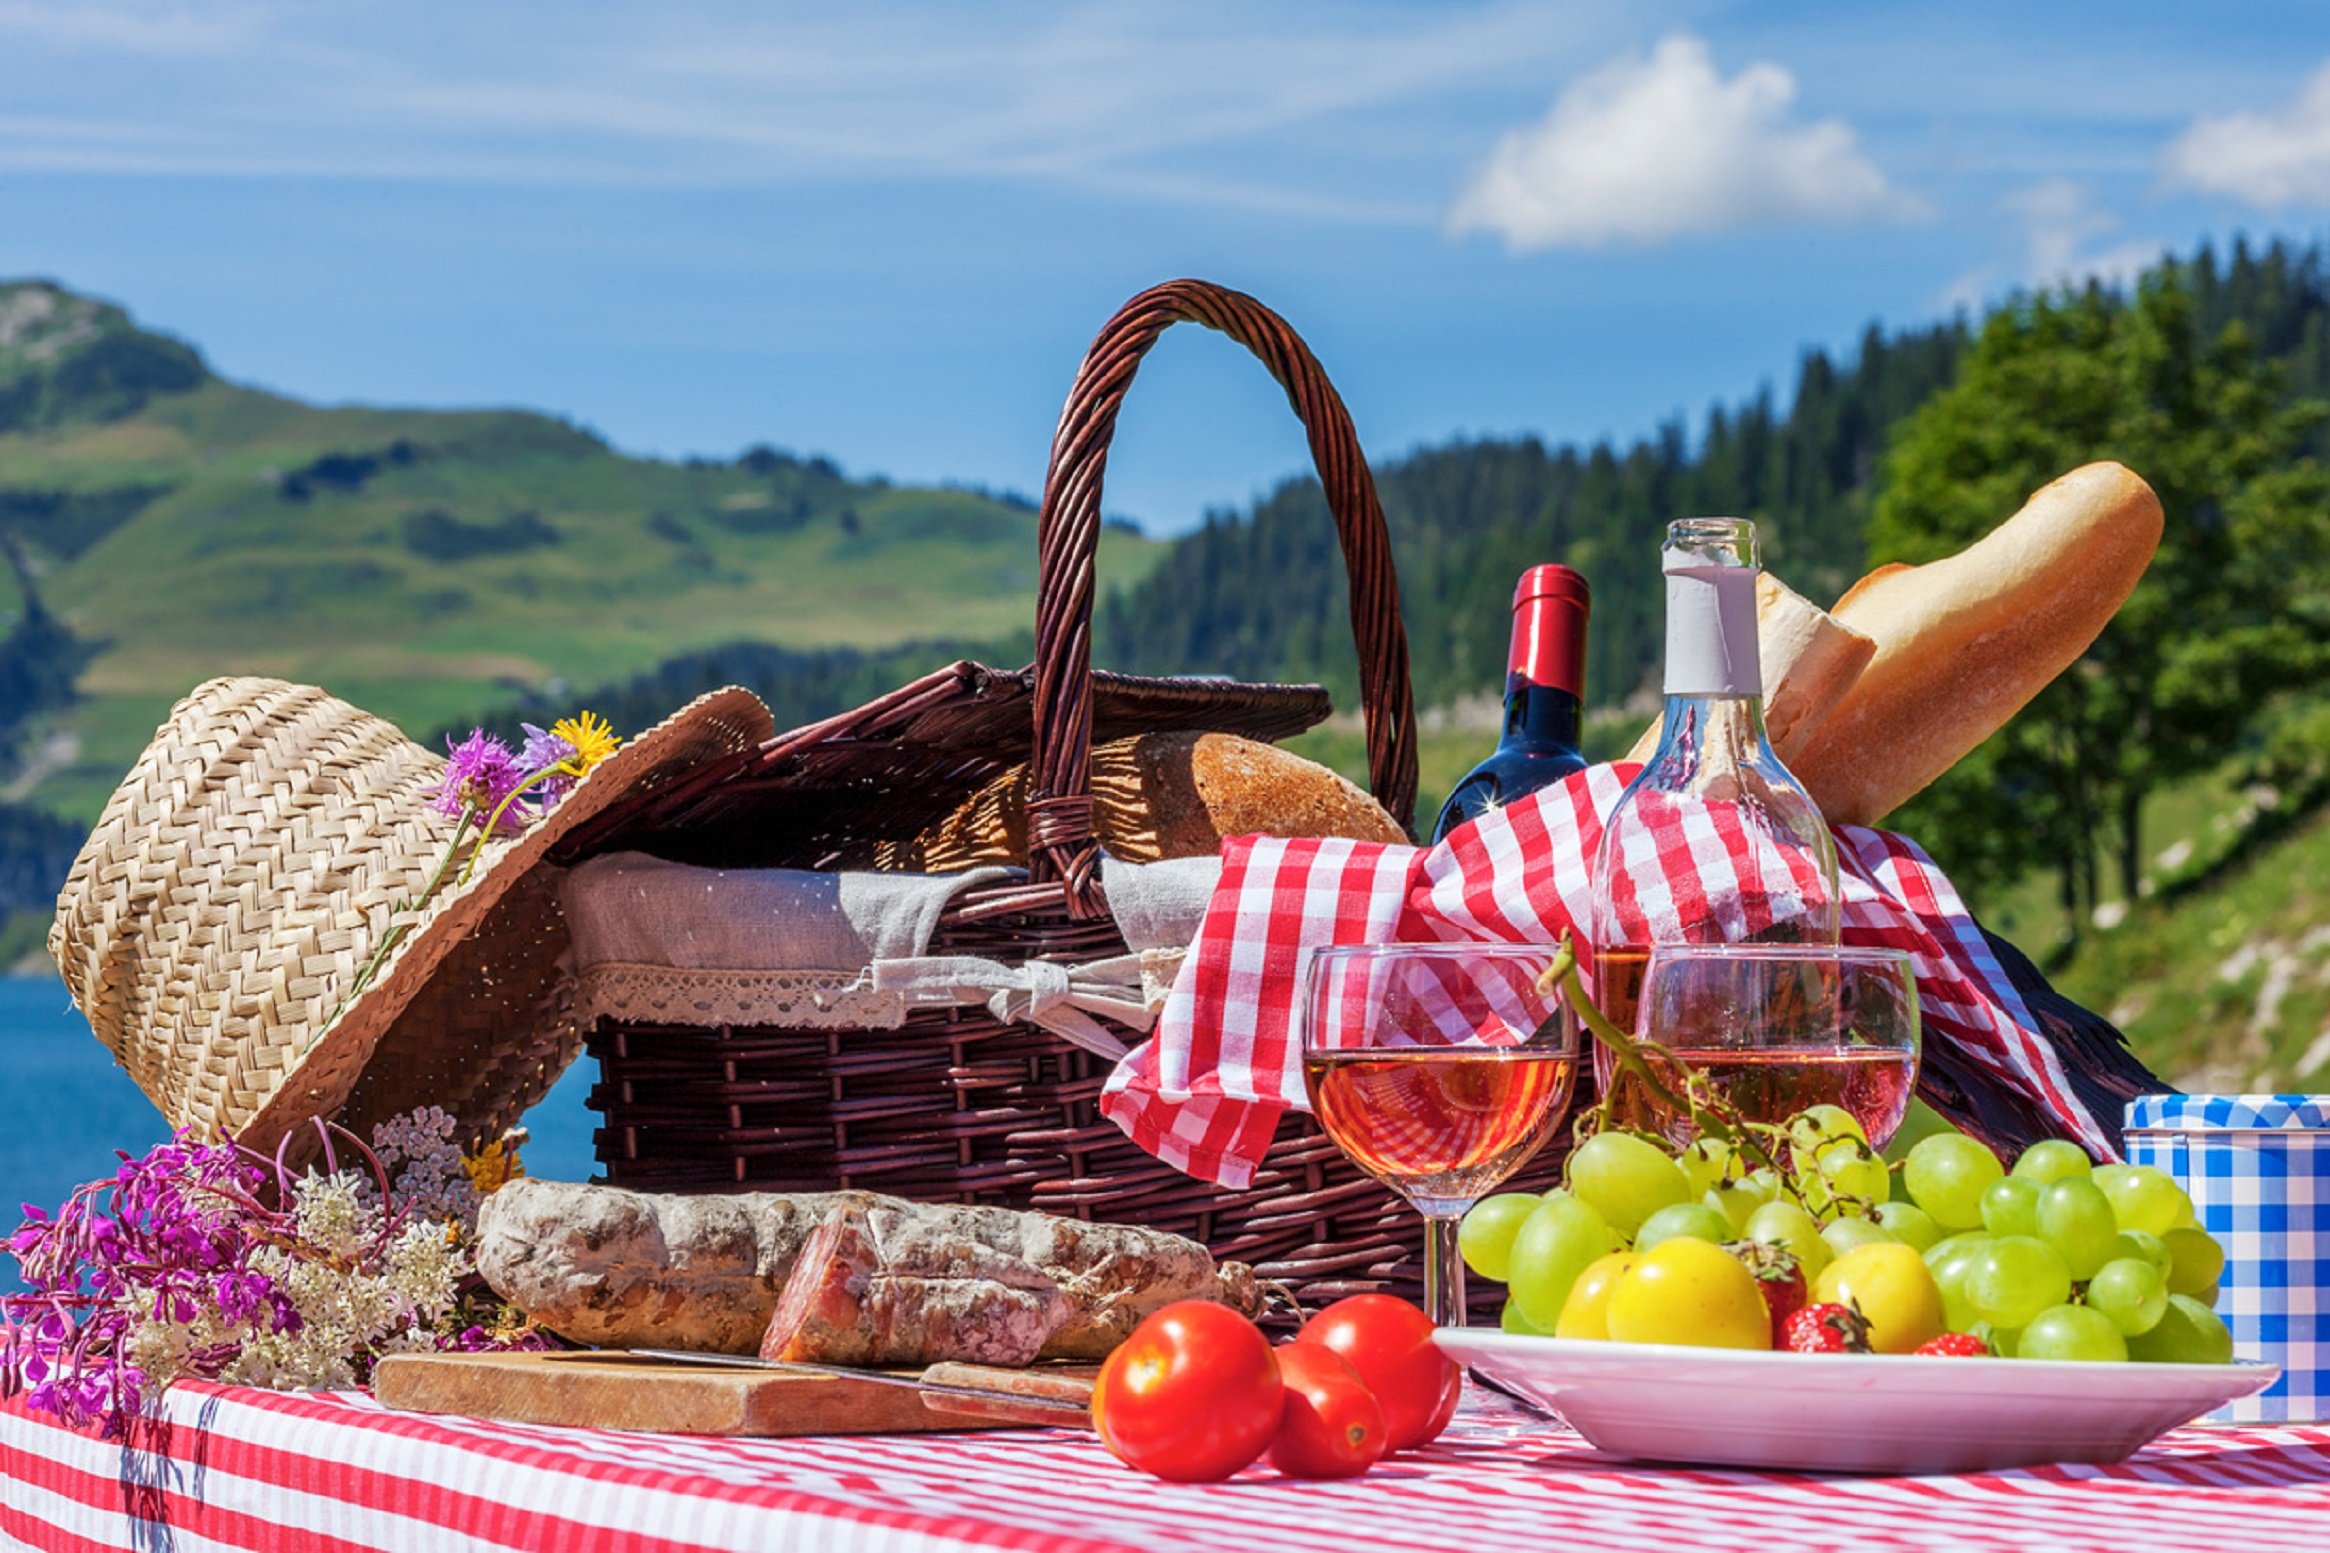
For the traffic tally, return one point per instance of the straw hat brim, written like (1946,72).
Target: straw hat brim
(223,909)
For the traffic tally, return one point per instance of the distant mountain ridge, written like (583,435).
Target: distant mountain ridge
(160,524)
(66,357)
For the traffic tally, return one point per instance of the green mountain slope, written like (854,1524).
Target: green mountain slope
(424,563)
(2224,984)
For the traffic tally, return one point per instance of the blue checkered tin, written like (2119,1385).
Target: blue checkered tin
(2258,1171)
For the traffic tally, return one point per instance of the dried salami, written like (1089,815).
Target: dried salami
(621,1269)
(617,1268)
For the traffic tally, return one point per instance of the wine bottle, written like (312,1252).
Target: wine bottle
(1544,674)
(1713,774)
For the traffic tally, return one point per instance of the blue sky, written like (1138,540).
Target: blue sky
(885,232)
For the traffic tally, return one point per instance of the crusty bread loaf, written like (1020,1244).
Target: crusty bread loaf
(1156,796)
(1809,661)
(1964,643)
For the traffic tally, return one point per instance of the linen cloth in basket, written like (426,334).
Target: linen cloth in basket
(659,941)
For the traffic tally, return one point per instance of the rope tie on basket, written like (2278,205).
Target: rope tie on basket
(1068,1000)
(1059,822)
(1059,831)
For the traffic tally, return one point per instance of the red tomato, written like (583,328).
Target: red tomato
(1332,1426)
(1389,1342)
(1192,1395)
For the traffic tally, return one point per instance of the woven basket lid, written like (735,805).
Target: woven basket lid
(213,925)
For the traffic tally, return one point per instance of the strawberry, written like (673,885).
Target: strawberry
(1956,1345)
(1826,1329)
(1781,1278)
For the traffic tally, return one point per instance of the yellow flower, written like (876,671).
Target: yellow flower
(593,738)
(494,1165)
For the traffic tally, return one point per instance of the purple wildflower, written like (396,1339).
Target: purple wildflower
(543,751)
(480,772)
(181,1235)
(164,1234)
(479,1339)
(239,1295)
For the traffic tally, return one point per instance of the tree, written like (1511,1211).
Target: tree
(2234,610)
(40,659)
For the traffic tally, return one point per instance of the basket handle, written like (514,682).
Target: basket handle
(1061,846)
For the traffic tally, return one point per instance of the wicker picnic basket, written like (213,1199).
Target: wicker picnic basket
(957,1104)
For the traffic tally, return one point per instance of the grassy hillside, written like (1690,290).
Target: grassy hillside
(423,563)
(2224,984)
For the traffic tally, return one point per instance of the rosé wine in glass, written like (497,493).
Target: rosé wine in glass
(1776,1028)
(1439,1069)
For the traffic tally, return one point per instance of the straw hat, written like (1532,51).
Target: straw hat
(219,916)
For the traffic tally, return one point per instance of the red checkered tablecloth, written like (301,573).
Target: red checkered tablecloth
(239,1469)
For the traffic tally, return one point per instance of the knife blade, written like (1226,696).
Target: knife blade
(1010,1396)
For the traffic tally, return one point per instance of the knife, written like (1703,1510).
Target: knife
(1037,1397)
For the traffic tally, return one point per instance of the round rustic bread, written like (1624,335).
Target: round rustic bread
(1160,795)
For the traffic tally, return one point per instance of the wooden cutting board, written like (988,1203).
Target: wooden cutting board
(609,1391)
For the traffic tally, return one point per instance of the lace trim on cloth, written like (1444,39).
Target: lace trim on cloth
(803,1000)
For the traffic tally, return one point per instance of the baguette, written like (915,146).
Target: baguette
(1965,643)
(1809,660)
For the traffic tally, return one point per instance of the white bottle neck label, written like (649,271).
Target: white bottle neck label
(1711,632)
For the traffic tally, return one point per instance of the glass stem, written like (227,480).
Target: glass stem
(1443,1271)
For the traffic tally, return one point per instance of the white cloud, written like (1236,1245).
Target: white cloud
(2273,159)
(1642,150)
(2065,242)
(2060,223)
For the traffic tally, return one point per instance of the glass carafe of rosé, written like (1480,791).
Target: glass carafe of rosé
(1712,783)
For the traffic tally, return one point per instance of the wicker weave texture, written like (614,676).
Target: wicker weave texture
(233,887)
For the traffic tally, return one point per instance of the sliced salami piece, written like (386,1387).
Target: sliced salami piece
(877,1287)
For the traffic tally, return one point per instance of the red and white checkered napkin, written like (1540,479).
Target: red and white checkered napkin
(1208,1090)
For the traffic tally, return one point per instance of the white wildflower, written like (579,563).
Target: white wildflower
(331,1217)
(425,1267)
(357,1289)
(159,1349)
(411,1340)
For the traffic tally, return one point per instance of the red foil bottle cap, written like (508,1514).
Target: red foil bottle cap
(1550,606)
(1558,582)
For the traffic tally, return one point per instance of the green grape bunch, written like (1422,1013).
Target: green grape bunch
(2056,1258)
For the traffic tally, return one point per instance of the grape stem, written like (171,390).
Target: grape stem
(1710,1115)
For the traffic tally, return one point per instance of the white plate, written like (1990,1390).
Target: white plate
(1849,1412)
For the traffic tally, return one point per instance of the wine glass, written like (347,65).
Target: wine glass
(1775,1028)
(1439,1069)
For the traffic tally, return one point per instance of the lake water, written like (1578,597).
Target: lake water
(65,1107)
